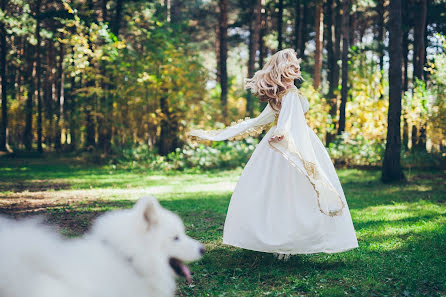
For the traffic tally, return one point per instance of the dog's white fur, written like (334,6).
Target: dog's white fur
(126,254)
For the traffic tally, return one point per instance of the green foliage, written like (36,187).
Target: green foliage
(437,102)
(356,151)
(219,155)
(223,155)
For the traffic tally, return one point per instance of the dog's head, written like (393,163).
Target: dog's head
(168,229)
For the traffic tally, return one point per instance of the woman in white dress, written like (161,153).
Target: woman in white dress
(289,199)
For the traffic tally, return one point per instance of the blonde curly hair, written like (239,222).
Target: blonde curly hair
(267,83)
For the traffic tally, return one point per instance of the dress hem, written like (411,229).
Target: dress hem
(293,253)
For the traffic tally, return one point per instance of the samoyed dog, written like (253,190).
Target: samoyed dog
(128,253)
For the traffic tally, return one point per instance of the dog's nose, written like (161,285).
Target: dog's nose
(202,250)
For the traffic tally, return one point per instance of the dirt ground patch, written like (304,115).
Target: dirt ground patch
(32,186)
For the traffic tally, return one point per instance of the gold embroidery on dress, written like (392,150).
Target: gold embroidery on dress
(282,94)
(310,167)
(252,131)
(311,173)
(276,119)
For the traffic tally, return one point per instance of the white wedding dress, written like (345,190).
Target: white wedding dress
(288,199)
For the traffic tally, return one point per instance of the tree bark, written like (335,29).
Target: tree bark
(263,19)
(71,114)
(405,53)
(345,48)
(175,11)
(223,54)
(49,92)
(298,26)
(4,98)
(319,30)
(337,41)
(60,99)
(168,140)
(332,65)
(118,15)
(38,74)
(280,25)
(380,37)
(305,20)
(419,32)
(254,30)
(106,99)
(391,169)
(30,81)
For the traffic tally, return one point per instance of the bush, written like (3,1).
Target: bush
(345,150)
(358,151)
(221,155)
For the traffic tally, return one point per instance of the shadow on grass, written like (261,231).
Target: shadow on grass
(32,186)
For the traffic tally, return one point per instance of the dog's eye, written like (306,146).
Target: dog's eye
(176,238)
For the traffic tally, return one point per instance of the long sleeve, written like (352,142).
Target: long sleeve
(237,130)
(296,147)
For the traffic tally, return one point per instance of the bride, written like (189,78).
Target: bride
(288,199)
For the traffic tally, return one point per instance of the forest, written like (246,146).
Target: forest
(98,101)
(128,78)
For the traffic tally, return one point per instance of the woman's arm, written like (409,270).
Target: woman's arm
(237,130)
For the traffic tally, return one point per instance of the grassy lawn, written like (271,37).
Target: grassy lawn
(401,228)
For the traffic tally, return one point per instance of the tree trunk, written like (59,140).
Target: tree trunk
(223,54)
(381,34)
(332,65)
(72,112)
(166,143)
(89,102)
(118,14)
(298,26)
(31,68)
(60,99)
(280,25)
(319,30)
(263,20)
(414,138)
(345,48)
(104,11)
(254,27)
(405,49)
(106,99)
(305,20)
(352,27)
(90,139)
(391,169)
(405,53)
(380,37)
(38,72)
(49,92)
(175,11)
(419,32)
(4,129)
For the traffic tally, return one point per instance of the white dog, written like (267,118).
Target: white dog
(128,253)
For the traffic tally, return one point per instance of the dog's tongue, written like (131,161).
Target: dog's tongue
(180,268)
(186,272)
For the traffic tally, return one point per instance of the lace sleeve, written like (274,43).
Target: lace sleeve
(237,130)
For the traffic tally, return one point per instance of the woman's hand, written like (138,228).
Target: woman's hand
(275,138)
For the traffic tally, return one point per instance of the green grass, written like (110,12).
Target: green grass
(401,228)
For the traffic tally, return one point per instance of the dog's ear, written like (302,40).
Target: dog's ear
(150,212)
